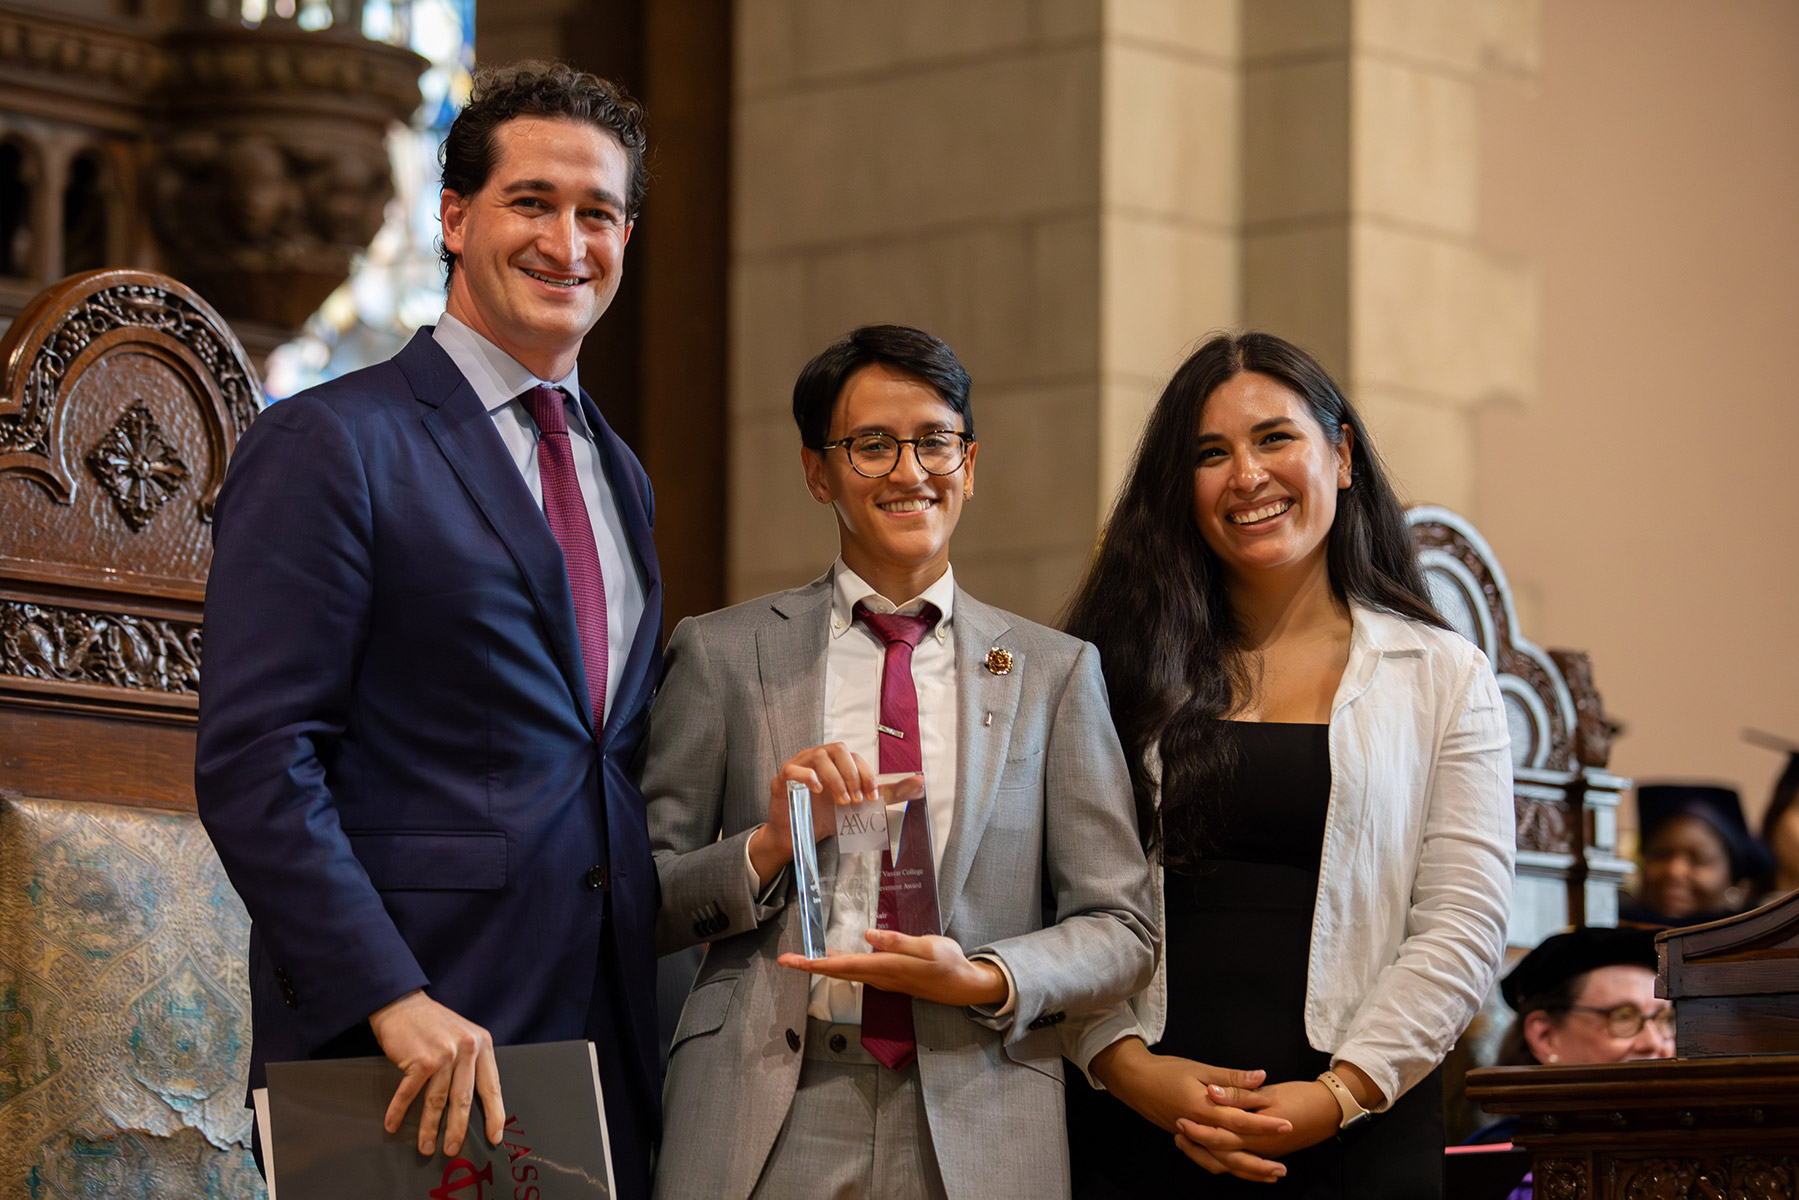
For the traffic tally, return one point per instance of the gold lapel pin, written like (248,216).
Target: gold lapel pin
(999,662)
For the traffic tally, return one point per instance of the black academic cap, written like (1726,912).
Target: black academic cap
(1584,948)
(1718,807)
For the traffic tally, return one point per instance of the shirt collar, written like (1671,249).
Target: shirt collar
(848,589)
(497,377)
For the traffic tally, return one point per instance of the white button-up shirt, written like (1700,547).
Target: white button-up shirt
(499,380)
(1415,878)
(854,659)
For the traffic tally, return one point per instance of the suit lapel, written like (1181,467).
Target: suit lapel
(981,747)
(465,435)
(623,472)
(790,656)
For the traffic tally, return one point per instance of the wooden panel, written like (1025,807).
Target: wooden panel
(100,759)
(1683,1129)
(1726,1025)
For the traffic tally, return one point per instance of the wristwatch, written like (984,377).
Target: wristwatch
(1353,1113)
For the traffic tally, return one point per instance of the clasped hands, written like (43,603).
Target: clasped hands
(930,967)
(1227,1121)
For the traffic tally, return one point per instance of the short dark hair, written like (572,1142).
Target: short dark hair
(537,88)
(900,347)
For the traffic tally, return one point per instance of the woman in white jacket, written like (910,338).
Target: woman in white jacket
(1322,770)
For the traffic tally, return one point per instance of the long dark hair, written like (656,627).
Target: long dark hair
(1156,602)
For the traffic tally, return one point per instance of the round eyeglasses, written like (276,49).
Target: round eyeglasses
(1627,1020)
(874,455)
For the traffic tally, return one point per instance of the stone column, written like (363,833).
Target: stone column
(1360,237)
(1046,184)
(1074,192)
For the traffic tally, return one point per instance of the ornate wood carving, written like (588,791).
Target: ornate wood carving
(137,465)
(68,326)
(108,649)
(1593,732)
(258,156)
(121,395)
(1560,737)
(1545,826)
(1471,591)
(273,171)
(1562,1179)
(1677,1129)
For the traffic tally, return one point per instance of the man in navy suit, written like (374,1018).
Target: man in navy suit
(433,628)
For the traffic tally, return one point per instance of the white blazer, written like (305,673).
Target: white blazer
(1415,881)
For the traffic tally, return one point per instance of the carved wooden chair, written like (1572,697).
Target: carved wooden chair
(124,1011)
(1566,802)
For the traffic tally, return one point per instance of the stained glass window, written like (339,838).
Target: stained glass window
(397,285)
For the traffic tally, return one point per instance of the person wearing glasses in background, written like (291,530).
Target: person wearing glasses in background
(912,1061)
(1584,996)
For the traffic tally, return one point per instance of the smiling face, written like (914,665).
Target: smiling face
(1580,1035)
(894,532)
(540,248)
(1686,868)
(1265,487)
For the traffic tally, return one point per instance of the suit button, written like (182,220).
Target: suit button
(793,1041)
(596,877)
(838,1042)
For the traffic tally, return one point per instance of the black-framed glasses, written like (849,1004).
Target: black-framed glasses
(874,455)
(1627,1020)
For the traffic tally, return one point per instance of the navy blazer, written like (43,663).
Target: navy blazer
(396,757)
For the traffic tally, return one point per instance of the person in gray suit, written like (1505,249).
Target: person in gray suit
(910,1062)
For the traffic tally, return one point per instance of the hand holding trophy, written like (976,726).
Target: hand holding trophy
(829,776)
(909,956)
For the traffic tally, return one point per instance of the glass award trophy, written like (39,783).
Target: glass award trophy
(885,877)
(907,897)
(809,895)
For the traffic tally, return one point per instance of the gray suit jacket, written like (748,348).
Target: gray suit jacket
(1042,869)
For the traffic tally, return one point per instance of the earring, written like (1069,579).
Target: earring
(1555,1058)
(968,493)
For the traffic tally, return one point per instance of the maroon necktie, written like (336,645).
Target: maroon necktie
(567,511)
(887,1016)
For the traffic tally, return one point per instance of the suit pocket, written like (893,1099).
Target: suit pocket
(705,1009)
(433,861)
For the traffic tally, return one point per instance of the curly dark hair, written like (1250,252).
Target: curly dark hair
(1156,602)
(537,88)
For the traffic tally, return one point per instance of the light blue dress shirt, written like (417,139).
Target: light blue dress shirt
(499,380)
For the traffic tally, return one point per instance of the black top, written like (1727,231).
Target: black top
(1238,937)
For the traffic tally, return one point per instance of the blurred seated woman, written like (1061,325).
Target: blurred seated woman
(1584,996)
(1323,774)
(1699,857)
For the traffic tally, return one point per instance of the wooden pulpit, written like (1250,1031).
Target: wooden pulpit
(1719,1122)
(124,1008)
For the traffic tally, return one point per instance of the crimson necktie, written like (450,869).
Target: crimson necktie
(909,886)
(567,511)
